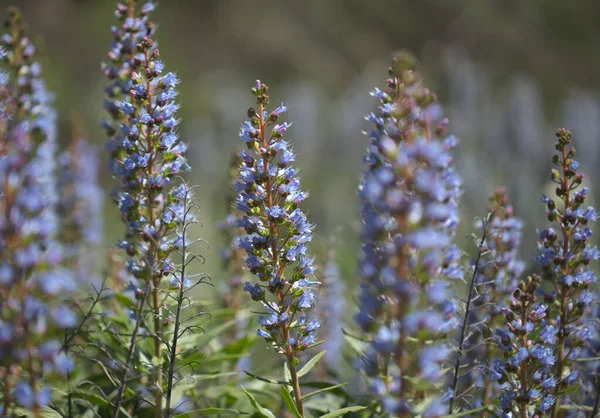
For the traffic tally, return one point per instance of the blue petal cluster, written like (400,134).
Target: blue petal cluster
(232,256)
(146,155)
(564,254)
(527,341)
(409,196)
(80,207)
(277,231)
(32,317)
(497,277)
(331,308)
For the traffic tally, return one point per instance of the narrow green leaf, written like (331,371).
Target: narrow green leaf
(264,379)
(49,413)
(343,411)
(571,389)
(287,376)
(263,412)
(213,376)
(323,385)
(576,408)
(209,411)
(311,363)
(327,389)
(289,402)
(469,412)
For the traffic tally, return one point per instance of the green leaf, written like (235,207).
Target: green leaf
(124,300)
(198,377)
(286,372)
(323,385)
(289,402)
(311,363)
(263,412)
(576,408)
(209,411)
(587,359)
(49,413)
(571,389)
(327,389)
(343,411)
(264,379)
(469,412)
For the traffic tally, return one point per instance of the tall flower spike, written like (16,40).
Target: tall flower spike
(231,254)
(564,255)
(146,157)
(527,341)
(277,232)
(496,278)
(32,287)
(80,206)
(408,192)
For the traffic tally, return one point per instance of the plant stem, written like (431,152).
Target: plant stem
(132,342)
(295,381)
(594,413)
(463,332)
(563,291)
(173,349)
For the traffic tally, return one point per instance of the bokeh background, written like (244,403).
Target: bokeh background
(508,72)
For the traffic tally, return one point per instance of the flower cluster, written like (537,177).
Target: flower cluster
(146,157)
(80,206)
(409,193)
(277,230)
(331,309)
(232,255)
(527,341)
(565,252)
(32,286)
(496,278)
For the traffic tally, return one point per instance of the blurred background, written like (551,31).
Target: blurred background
(508,72)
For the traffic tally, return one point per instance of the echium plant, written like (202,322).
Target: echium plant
(496,272)
(32,286)
(527,341)
(277,232)
(232,255)
(408,192)
(80,206)
(146,156)
(330,308)
(565,252)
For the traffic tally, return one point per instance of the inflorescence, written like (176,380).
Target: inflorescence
(408,191)
(32,283)
(277,232)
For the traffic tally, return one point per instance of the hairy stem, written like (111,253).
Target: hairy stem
(295,380)
(180,298)
(596,409)
(463,332)
(132,342)
(563,301)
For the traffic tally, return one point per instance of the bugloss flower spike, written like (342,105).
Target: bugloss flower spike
(32,286)
(80,206)
(564,255)
(277,232)
(146,157)
(496,272)
(527,341)
(408,193)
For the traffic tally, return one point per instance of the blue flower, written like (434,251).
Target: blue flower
(408,193)
(276,230)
